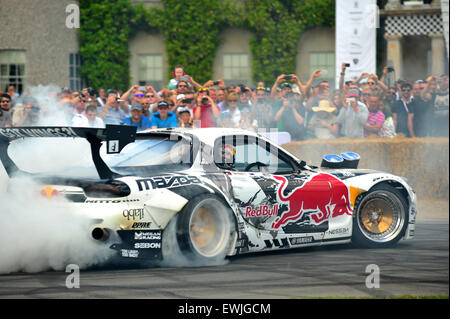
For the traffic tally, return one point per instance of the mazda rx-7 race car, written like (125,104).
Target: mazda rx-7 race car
(218,192)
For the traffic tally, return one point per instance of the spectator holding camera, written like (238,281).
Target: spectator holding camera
(185,101)
(207,112)
(29,115)
(247,122)
(352,116)
(111,113)
(290,118)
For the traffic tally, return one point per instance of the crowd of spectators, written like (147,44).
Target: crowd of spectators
(364,108)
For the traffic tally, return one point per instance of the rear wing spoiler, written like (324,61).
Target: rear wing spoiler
(116,137)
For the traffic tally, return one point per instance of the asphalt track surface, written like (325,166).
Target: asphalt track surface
(416,267)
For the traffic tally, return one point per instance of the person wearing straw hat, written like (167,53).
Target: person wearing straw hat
(322,123)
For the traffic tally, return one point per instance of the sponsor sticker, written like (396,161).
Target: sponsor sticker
(141,225)
(166,182)
(135,213)
(147,236)
(147,245)
(261,211)
(129,253)
(301,240)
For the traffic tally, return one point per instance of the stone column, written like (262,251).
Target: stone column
(437,53)
(394,53)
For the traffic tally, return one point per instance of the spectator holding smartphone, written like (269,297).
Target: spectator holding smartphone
(352,116)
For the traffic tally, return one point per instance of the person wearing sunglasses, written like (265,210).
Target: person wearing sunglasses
(231,107)
(5,116)
(401,109)
(247,122)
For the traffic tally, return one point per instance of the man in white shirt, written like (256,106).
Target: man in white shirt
(352,116)
(89,120)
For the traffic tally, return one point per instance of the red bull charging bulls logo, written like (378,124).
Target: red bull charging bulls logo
(323,194)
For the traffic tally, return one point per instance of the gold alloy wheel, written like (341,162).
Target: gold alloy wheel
(381,217)
(209,228)
(377,216)
(202,227)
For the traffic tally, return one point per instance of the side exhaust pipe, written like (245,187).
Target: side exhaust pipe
(100,234)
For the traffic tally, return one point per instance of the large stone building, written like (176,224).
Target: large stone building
(38,48)
(414,34)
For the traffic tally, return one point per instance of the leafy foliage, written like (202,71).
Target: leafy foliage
(192,32)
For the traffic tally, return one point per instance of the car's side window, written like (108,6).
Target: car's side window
(250,154)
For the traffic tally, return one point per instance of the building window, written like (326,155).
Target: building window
(75,79)
(323,61)
(150,70)
(12,70)
(235,68)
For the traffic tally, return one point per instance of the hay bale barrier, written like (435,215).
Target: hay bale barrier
(423,161)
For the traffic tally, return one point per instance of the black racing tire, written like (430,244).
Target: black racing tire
(380,217)
(205,228)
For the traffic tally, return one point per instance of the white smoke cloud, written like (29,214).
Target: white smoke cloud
(36,234)
(39,236)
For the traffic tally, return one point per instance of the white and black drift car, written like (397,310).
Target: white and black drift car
(217,192)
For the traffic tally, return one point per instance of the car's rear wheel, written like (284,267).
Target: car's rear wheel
(380,217)
(205,229)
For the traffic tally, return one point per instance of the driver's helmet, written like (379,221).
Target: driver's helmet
(228,153)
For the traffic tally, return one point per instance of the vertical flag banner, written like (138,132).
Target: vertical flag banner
(356,26)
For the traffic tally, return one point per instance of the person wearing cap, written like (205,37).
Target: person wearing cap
(163,118)
(137,119)
(352,116)
(322,123)
(184,117)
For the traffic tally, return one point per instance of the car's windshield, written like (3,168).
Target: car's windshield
(156,153)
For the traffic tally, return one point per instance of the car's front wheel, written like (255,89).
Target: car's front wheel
(205,229)
(380,217)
